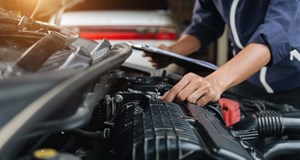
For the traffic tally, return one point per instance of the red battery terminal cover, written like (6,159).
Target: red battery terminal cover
(230,110)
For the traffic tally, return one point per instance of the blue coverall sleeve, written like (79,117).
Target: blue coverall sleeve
(280,30)
(207,24)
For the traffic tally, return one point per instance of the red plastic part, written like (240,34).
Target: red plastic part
(230,110)
(128,35)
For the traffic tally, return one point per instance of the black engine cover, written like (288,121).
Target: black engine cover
(164,131)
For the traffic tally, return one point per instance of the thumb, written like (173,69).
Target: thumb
(164,47)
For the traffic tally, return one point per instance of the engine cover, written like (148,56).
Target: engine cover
(159,130)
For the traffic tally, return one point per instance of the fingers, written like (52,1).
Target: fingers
(158,61)
(172,94)
(164,47)
(156,65)
(206,98)
(188,93)
(194,89)
(166,93)
(161,46)
(195,96)
(144,54)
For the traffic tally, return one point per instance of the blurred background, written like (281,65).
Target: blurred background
(181,8)
(179,12)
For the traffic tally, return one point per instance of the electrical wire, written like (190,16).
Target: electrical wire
(37,6)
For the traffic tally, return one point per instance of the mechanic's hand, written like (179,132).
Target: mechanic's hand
(158,61)
(194,89)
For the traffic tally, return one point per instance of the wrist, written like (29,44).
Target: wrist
(218,84)
(175,48)
(185,45)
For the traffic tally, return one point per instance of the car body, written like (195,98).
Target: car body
(141,27)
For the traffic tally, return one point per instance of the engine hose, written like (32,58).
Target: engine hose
(271,123)
(281,148)
(87,134)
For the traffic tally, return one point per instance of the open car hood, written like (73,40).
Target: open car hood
(38,63)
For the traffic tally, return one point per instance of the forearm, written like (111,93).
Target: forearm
(250,60)
(185,45)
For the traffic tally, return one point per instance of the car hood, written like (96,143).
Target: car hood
(39,64)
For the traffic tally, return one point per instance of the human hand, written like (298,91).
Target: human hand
(159,61)
(194,89)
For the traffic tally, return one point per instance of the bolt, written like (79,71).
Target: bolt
(119,98)
(148,96)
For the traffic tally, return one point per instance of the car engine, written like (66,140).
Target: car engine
(67,98)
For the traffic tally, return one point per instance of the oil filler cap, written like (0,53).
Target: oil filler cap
(45,154)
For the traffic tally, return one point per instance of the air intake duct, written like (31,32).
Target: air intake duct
(271,123)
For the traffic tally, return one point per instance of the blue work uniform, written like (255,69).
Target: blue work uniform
(275,23)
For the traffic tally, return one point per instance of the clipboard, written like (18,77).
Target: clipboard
(178,58)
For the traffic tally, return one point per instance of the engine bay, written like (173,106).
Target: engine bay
(131,122)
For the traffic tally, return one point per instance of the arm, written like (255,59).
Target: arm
(199,90)
(185,45)
(206,26)
(280,29)
(270,44)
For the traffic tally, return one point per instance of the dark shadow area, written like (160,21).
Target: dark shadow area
(122,4)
